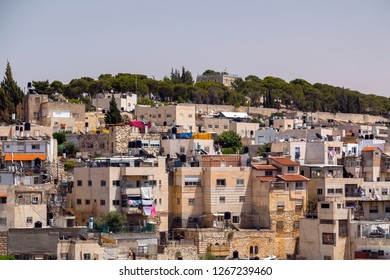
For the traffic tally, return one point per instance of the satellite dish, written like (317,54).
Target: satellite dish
(318,135)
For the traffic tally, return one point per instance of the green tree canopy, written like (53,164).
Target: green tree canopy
(229,139)
(114,220)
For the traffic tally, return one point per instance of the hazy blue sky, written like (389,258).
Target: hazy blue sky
(343,43)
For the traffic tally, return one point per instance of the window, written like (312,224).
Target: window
(75,115)
(225,127)
(159,115)
(102,202)
(384,191)
(87,256)
(3,200)
(299,185)
(343,228)
(290,168)
(178,201)
(102,183)
(181,115)
(191,201)
(159,201)
(280,205)
(115,202)
(268,173)
(78,201)
(79,183)
(240,182)
(373,209)
(279,224)
(221,182)
(182,149)
(327,258)
(191,181)
(116,183)
(387,208)
(296,224)
(210,126)
(87,202)
(222,199)
(29,220)
(242,199)
(190,115)
(330,191)
(3,221)
(298,205)
(325,205)
(319,191)
(35,200)
(216,126)
(328,239)
(236,219)
(339,191)
(89,183)
(35,146)
(326,222)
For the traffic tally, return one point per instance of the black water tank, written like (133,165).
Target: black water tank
(174,130)
(371,136)
(27,127)
(227,215)
(366,136)
(235,254)
(138,144)
(38,224)
(131,144)
(183,158)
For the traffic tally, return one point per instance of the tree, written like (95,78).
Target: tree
(114,220)
(210,73)
(60,136)
(11,88)
(5,106)
(113,115)
(229,139)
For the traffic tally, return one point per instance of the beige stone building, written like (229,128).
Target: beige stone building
(60,116)
(188,147)
(223,78)
(171,115)
(130,185)
(124,101)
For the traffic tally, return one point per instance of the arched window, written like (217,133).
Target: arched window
(251,250)
(256,250)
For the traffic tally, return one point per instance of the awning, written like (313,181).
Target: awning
(23,156)
(192,179)
(3,195)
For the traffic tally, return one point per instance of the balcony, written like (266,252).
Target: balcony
(278,187)
(131,210)
(219,250)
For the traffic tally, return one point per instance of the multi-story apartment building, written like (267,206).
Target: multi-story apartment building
(60,116)
(124,101)
(172,115)
(137,187)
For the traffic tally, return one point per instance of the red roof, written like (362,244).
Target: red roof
(284,161)
(369,149)
(293,178)
(264,167)
(265,178)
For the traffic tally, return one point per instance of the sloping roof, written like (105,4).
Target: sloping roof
(264,167)
(284,161)
(369,149)
(293,178)
(265,178)
(23,156)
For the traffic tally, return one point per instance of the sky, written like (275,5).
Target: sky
(343,43)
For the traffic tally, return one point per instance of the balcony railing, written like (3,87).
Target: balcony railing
(277,186)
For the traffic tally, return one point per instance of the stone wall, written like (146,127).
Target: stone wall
(321,116)
(172,252)
(3,243)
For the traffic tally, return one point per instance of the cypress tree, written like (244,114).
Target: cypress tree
(113,115)
(11,89)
